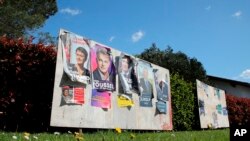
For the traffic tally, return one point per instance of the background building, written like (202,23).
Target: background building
(233,87)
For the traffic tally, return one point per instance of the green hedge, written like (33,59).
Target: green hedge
(183,103)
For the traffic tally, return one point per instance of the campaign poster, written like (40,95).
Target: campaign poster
(127,80)
(75,60)
(146,79)
(103,75)
(212,106)
(161,107)
(76,74)
(103,68)
(125,101)
(73,95)
(101,99)
(162,89)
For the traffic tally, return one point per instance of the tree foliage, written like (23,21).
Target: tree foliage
(177,62)
(238,110)
(46,38)
(183,104)
(26,84)
(19,16)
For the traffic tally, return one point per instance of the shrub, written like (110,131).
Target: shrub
(183,104)
(238,110)
(26,84)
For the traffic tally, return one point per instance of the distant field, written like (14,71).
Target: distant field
(112,135)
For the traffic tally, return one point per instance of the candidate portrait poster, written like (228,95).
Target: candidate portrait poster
(76,74)
(162,90)
(73,95)
(146,82)
(128,84)
(75,59)
(212,106)
(103,75)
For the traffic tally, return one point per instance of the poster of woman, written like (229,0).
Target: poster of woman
(75,60)
(76,73)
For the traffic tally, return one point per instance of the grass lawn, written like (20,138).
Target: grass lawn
(112,135)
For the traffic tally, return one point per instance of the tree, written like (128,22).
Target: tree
(183,112)
(188,68)
(153,55)
(46,38)
(19,16)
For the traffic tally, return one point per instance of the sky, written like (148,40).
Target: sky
(216,32)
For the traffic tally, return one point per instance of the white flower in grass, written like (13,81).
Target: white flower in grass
(56,133)
(27,137)
(35,137)
(173,135)
(69,132)
(14,137)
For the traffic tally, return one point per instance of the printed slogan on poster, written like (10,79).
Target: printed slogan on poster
(97,86)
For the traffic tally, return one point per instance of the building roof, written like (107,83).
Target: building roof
(232,82)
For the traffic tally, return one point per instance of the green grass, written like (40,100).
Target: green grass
(112,135)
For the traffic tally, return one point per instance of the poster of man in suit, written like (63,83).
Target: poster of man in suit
(145,75)
(162,88)
(103,76)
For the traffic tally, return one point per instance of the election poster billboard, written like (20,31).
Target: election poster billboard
(97,86)
(212,106)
